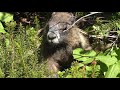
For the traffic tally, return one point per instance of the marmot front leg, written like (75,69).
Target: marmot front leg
(53,68)
(76,38)
(84,42)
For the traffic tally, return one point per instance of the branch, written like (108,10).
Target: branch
(92,13)
(101,37)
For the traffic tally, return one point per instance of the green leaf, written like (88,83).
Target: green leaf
(108,60)
(81,55)
(82,58)
(2,28)
(118,52)
(6,17)
(88,61)
(88,68)
(76,53)
(89,53)
(118,25)
(80,65)
(69,76)
(7,42)
(113,71)
(103,67)
(2,75)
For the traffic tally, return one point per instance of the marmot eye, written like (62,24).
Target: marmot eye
(63,26)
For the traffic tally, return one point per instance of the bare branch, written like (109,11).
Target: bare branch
(101,37)
(92,13)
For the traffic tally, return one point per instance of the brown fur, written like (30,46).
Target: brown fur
(62,17)
(60,56)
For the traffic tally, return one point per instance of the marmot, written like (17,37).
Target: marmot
(58,44)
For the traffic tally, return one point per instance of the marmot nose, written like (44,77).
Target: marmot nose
(51,36)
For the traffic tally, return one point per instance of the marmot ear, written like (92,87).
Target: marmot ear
(72,20)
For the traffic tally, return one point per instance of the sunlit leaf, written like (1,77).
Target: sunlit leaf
(81,55)
(113,71)
(88,61)
(6,17)
(2,28)
(80,65)
(88,68)
(77,51)
(108,60)
(89,53)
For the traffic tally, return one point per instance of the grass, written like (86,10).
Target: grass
(18,52)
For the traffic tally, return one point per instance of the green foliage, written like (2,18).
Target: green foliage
(98,64)
(2,28)
(95,63)
(81,55)
(80,70)
(4,17)
(113,71)
(18,50)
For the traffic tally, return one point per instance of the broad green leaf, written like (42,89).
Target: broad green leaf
(82,58)
(88,68)
(118,63)
(89,53)
(77,57)
(2,28)
(114,53)
(103,67)
(108,60)
(88,61)
(118,53)
(81,55)
(81,52)
(113,71)
(6,17)
(80,65)
(76,53)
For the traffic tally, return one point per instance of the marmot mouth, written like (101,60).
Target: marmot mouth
(53,41)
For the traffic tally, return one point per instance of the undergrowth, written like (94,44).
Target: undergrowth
(19,46)
(18,52)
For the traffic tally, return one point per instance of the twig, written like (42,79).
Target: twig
(92,13)
(113,44)
(101,37)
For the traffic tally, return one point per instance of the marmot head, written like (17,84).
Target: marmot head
(59,22)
